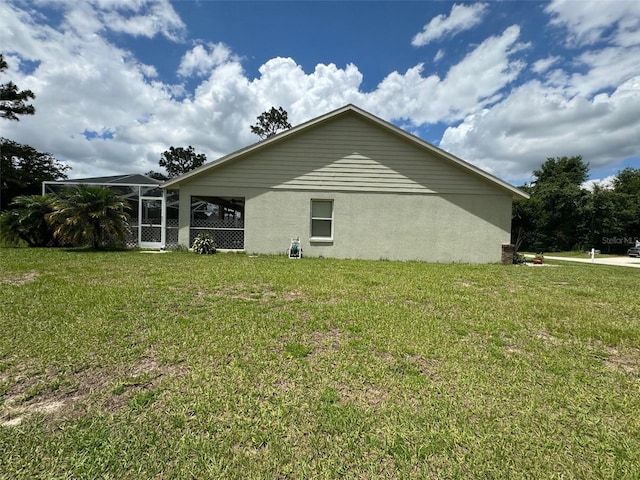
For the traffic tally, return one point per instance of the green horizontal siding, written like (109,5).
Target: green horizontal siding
(346,154)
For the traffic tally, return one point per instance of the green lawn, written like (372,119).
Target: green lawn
(130,365)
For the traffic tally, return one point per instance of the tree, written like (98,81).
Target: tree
(604,207)
(156,175)
(626,185)
(561,215)
(12,100)
(27,221)
(271,122)
(23,169)
(563,218)
(628,181)
(523,222)
(179,160)
(89,215)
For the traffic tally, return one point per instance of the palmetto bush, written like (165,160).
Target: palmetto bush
(27,221)
(90,216)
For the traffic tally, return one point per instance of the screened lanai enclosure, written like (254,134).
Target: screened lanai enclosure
(153,210)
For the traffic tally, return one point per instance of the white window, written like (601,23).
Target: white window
(321,220)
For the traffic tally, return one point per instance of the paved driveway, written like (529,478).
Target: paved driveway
(618,261)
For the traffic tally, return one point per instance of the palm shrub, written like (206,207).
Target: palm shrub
(204,244)
(27,221)
(90,215)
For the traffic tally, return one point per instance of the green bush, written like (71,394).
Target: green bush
(204,244)
(27,222)
(519,259)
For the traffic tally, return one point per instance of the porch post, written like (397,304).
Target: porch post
(163,220)
(184,215)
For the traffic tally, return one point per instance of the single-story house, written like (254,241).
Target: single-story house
(349,185)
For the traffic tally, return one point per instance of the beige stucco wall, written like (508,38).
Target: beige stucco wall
(433,228)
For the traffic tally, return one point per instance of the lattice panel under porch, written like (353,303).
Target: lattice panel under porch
(225,239)
(151,234)
(215,223)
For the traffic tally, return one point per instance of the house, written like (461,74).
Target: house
(350,185)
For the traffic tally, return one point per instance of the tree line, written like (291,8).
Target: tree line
(561,214)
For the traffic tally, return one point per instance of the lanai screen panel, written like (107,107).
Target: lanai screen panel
(220,217)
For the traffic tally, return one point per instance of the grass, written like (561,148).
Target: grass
(124,365)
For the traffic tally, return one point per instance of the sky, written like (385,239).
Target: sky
(503,85)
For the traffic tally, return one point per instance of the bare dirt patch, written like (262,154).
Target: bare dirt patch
(367,394)
(426,366)
(327,341)
(15,415)
(547,338)
(57,395)
(19,279)
(261,292)
(511,347)
(627,361)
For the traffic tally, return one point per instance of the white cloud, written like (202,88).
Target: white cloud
(283,82)
(439,56)
(461,18)
(591,112)
(605,183)
(468,87)
(544,64)
(605,69)
(590,21)
(148,18)
(200,62)
(538,121)
(81,83)
(83,19)
(145,18)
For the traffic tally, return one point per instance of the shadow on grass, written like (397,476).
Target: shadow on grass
(98,250)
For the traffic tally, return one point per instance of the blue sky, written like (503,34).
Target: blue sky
(503,85)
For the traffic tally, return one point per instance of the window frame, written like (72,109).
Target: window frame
(317,239)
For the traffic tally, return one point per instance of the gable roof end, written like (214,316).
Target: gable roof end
(515,192)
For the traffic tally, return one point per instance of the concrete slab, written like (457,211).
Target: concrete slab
(622,261)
